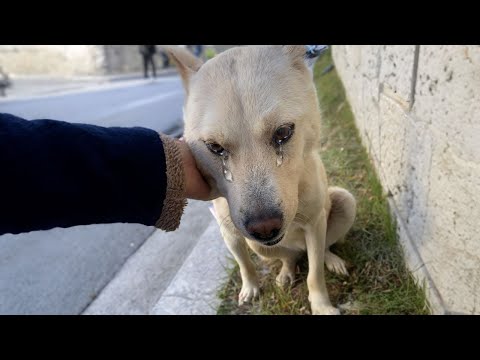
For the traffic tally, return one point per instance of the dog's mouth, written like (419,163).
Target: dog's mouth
(273,242)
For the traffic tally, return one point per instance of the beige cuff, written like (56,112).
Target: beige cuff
(175,200)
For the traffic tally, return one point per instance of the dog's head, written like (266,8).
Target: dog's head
(251,118)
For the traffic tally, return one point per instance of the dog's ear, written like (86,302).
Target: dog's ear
(304,54)
(187,64)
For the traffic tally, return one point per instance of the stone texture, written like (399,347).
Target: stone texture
(148,273)
(452,245)
(63,60)
(194,289)
(396,72)
(448,95)
(71,60)
(418,112)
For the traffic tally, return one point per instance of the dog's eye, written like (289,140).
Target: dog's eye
(283,134)
(215,148)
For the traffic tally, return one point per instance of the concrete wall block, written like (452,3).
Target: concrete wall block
(416,173)
(343,54)
(448,95)
(358,66)
(32,61)
(72,60)
(417,265)
(393,132)
(450,242)
(396,72)
(347,62)
(456,276)
(426,155)
(55,60)
(371,61)
(370,113)
(126,58)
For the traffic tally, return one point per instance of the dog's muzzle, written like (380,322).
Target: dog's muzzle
(265,229)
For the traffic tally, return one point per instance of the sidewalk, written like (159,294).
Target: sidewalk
(25,86)
(152,283)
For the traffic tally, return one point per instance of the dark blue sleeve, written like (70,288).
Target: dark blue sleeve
(58,174)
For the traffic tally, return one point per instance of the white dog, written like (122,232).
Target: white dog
(252,120)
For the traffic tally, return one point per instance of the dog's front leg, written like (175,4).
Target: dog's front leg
(315,235)
(238,247)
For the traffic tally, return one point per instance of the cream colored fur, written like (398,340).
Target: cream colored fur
(238,99)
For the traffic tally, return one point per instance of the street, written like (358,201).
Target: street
(62,270)
(153,104)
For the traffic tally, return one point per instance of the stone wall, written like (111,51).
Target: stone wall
(71,60)
(59,60)
(417,108)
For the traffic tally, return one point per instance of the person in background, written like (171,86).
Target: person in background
(4,82)
(148,52)
(198,50)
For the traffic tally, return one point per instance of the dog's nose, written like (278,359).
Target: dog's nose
(264,229)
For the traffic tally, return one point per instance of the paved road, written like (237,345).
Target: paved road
(155,104)
(62,270)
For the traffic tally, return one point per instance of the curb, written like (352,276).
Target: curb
(153,269)
(88,87)
(193,291)
(81,84)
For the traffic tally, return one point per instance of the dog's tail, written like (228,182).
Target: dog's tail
(342,214)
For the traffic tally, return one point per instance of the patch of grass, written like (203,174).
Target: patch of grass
(379,282)
(210,53)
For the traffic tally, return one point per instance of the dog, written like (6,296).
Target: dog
(252,121)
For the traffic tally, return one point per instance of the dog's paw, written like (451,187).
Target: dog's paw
(335,264)
(248,293)
(320,305)
(285,278)
(318,309)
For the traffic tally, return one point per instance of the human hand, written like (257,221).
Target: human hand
(195,185)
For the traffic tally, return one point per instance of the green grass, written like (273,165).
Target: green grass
(210,53)
(379,282)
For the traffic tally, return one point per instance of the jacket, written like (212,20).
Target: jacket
(59,174)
